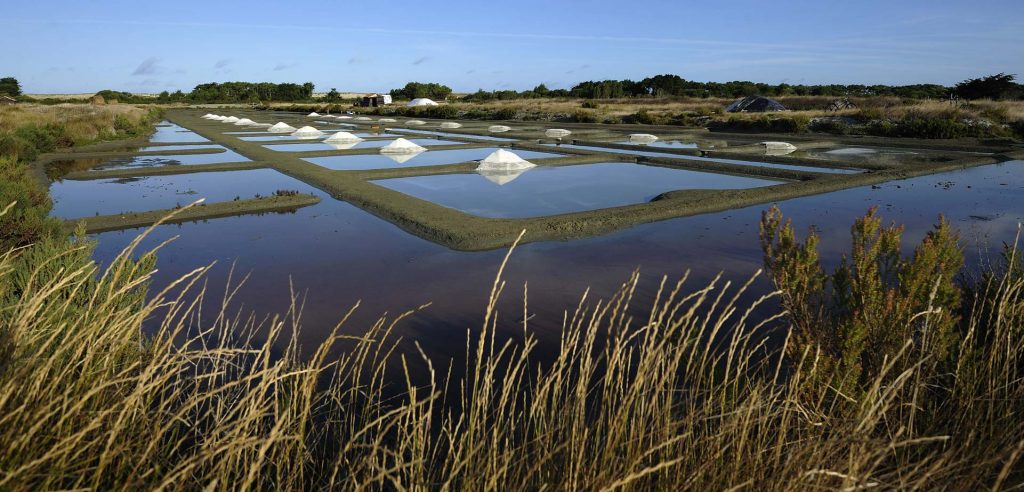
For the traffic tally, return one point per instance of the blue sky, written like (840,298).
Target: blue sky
(84,46)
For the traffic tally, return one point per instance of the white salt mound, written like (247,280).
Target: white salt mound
(341,137)
(387,120)
(401,146)
(343,117)
(503,160)
(363,118)
(314,114)
(230,119)
(415,122)
(498,128)
(307,132)
(281,127)
(451,124)
(642,138)
(421,101)
(557,133)
(245,122)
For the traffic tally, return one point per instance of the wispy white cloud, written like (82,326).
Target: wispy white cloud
(147,67)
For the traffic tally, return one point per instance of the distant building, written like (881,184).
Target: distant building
(6,100)
(754,104)
(374,100)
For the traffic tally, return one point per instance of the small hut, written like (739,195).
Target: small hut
(754,104)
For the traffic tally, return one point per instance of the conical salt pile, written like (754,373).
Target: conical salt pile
(557,133)
(387,120)
(307,132)
(415,122)
(503,160)
(363,118)
(281,127)
(642,138)
(498,128)
(314,114)
(778,148)
(343,137)
(401,146)
(230,119)
(451,124)
(343,117)
(207,116)
(245,122)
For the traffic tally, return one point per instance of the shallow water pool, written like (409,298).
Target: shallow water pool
(654,153)
(556,190)
(75,199)
(169,132)
(141,161)
(429,158)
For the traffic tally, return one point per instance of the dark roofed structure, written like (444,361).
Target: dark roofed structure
(754,104)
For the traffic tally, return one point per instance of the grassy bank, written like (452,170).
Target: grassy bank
(892,375)
(26,131)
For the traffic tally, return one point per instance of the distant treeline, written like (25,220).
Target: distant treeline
(231,92)
(1000,86)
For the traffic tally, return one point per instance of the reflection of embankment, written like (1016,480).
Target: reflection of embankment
(203,211)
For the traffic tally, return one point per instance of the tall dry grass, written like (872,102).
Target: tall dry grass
(693,396)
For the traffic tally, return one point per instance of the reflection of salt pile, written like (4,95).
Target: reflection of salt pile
(415,122)
(282,127)
(343,137)
(421,101)
(778,148)
(451,124)
(502,167)
(401,146)
(307,132)
(557,133)
(642,138)
(498,128)
(314,114)
(229,119)
(341,145)
(401,158)
(245,122)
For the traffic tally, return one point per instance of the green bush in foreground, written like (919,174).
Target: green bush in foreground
(689,397)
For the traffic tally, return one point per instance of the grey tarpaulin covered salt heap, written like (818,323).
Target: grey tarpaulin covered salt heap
(754,104)
(557,133)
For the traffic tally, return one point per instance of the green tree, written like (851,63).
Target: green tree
(333,96)
(998,86)
(10,86)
